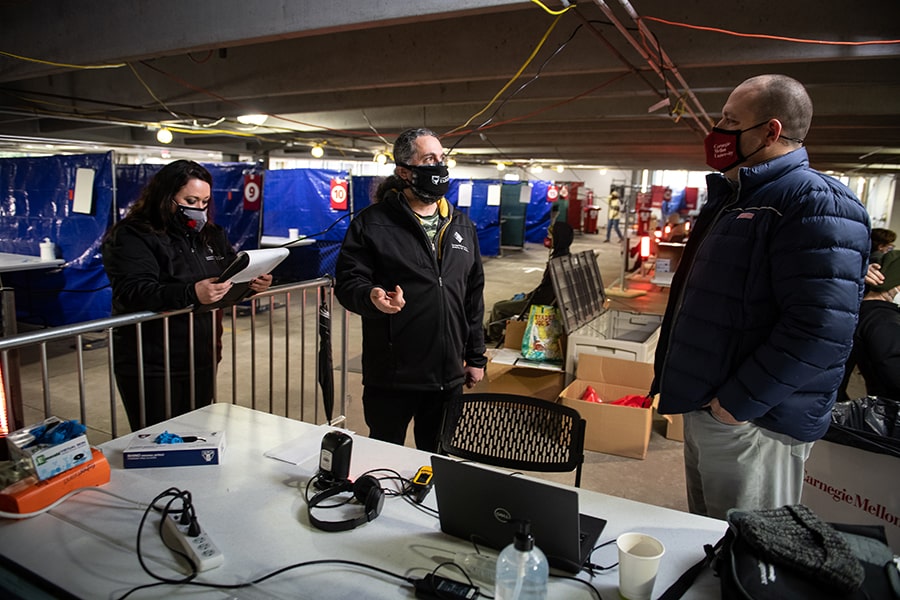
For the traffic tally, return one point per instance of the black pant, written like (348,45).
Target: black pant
(155,395)
(388,413)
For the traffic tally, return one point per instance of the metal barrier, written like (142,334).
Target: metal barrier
(52,363)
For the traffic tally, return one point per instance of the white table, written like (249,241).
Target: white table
(253,508)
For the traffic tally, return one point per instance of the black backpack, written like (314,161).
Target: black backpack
(788,553)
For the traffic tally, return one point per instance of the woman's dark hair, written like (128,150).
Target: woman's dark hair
(154,206)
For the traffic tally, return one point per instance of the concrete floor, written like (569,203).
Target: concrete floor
(658,479)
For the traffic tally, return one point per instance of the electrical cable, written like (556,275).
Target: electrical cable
(59,64)
(51,506)
(149,91)
(769,37)
(514,77)
(551,11)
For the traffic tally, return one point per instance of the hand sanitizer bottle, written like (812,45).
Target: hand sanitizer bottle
(522,569)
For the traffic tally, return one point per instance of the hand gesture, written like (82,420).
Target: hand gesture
(387,302)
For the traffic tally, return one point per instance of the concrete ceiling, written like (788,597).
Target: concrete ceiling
(351,74)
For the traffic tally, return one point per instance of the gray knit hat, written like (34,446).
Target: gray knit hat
(794,537)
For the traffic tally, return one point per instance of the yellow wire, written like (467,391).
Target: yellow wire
(149,91)
(514,77)
(56,64)
(553,12)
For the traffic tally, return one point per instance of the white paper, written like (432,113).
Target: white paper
(84,191)
(465,195)
(304,449)
(525,193)
(262,261)
(493,196)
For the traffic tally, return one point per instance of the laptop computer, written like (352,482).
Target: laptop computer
(481,505)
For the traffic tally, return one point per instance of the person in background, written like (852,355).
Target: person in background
(410,266)
(561,236)
(882,242)
(615,210)
(876,342)
(762,307)
(166,254)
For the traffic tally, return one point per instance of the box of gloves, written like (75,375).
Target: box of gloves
(50,447)
(166,449)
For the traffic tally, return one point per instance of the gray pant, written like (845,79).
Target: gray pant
(739,466)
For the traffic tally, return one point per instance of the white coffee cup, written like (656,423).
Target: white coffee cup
(293,233)
(639,556)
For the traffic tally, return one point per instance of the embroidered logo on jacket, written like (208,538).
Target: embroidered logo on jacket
(745,215)
(458,245)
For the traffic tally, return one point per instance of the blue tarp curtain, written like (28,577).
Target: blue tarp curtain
(37,203)
(37,199)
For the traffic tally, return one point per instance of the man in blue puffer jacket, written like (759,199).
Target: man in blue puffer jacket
(763,305)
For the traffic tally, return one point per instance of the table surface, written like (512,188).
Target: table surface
(253,508)
(25,262)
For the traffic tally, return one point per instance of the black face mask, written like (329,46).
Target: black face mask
(428,182)
(194,218)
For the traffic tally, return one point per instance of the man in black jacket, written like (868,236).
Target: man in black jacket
(410,266)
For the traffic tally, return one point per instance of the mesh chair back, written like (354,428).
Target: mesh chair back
(514,432)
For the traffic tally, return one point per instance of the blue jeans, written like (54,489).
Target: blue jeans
(610,225)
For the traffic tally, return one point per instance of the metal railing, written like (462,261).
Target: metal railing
(260,368)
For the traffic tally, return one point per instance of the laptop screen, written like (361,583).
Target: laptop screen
(482,505)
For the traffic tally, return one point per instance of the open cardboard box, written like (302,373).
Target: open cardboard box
(612,429)
(544,381)
(674,423)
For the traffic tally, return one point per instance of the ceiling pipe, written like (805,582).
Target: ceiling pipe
(704,126)
(687,89)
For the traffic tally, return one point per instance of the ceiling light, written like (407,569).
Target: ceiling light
(164,136)
(257,119)
(380,158)
(501,166)
(451,162)
(317,151)
(536,168)
(560,168)
(603,170)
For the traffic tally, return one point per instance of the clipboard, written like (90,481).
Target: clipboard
(252,263)
(245,267)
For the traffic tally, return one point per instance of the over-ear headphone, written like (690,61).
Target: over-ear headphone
(367,492)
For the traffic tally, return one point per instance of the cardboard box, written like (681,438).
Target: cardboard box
(205,448)
(843,484)
(524,381)
(612,429)
(47,461)
(674,423)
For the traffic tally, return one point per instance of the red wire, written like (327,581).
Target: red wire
(769,37)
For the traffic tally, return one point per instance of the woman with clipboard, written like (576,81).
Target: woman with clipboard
(167,254)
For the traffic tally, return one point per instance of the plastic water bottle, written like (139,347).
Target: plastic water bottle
(477,566)
(522,569)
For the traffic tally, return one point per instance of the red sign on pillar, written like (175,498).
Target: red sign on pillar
(552,193)
(252,191)
(339,194)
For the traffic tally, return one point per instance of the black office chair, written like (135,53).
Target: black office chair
(514,432)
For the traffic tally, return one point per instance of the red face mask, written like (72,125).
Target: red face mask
(723,147)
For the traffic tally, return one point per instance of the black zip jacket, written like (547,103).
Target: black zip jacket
(151,271)
(427,344)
